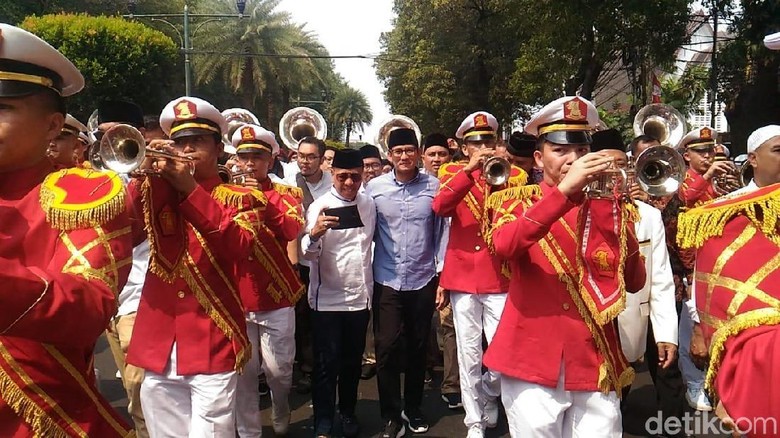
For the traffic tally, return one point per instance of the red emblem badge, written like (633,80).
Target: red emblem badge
(705,133)
(185,110)
(481,121)
(167,221)
(603,260)
(247,133)
(575,110)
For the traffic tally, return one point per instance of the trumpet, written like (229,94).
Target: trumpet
(229,177)
(729,181)
(611,183)
(659,170)
(123,149)
(496,170)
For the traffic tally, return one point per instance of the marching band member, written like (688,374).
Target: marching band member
(520,151)
(269,288)
(64,253)
(66,150)
(190,332)
(737,288)
(471,274)
(698,149)
(563,382)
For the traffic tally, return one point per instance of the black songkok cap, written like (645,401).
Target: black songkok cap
(607,139)
(348,159)
(521,145)
(436,139)
(370,151)
(402,137)
(120,111)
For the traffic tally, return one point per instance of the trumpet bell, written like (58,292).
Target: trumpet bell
(301,122)
(659,170)
(394,122)
(122,149)
(662,122)
(235,118)
(745,173)
(609,184)
(496,171)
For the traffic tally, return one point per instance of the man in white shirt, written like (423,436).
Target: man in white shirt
(340,290)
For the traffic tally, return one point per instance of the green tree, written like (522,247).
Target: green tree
(15,11)
(118,59)
(350,108)
(747,72)
(685,93)
(264,58)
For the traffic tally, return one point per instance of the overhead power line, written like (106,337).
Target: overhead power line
(293,56)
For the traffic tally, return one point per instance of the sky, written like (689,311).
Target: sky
(350,27)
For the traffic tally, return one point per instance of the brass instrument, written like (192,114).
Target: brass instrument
(235,118)
(301,122)
(659,170)
(727,182)
(394,122)
(496,170)
(661,122)
(123,149)
(229,177)
(610,184)
(745,173)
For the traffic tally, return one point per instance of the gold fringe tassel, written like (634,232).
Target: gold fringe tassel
(39,421)
(154,263)
(631,212)
(284,189)
(235,196)
(521,179)
(699,224)
(497,199)
(73,218)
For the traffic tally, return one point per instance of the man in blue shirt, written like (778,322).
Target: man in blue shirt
(406,237)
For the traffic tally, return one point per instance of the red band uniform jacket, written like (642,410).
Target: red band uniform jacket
(65,252)
(695,189)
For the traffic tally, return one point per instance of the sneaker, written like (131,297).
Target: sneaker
(490,413)
(428,375)
(453,400)
(367,371)
(475,431)
(697,398)
(393,429)
(349,426)
(303,385)
(263,388)
(416,420)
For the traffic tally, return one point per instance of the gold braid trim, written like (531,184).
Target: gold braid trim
(631,212)
(284,189)
(66,216)
(697,225)
(154,263)
(497,199)
(736,325)
(235,196)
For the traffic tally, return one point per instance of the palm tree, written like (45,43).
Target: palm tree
(350,107)
(263,34)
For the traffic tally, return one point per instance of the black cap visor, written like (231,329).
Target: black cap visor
(569,137)
(189,132)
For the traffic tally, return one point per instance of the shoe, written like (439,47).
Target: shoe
(367,371)
(697,398)
(415,420)
(303,385)
(428,375)
(350,427)
(118,375)
(490,413)
(263,388)
(281,423)
(393,429)
(453,400)
(475,431)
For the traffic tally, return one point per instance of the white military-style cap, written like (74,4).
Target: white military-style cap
(761,136)
(568,120)
(772,42)
(29,64)
(188,116)
(73,126)
(698,138)
(254,138)
(480,125)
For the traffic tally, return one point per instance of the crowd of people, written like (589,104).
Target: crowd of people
(222,261)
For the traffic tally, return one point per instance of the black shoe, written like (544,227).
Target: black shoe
(303,385)
(367,371)
(416,420)
(263,388)
(428,375)
(349,426)
(453,400)
(393,429)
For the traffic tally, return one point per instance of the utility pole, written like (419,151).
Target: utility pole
(714,65)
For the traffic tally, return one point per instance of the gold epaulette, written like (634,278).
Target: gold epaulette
(497,199)
(449,169)
(81,198)
(238,197)
(761,206)
(517,177)
(284,189)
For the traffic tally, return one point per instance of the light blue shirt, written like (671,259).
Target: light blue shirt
(408,233)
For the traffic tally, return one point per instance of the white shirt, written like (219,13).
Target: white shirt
(341,277)
(130,295)
(320,188)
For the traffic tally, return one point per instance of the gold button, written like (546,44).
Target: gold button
(250,258)
(565,306)
(477,247)
(479,234)
(181,294)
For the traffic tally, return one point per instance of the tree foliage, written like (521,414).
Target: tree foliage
(350,109)
(685,93)
(118,59)
(15,11)
(446,58)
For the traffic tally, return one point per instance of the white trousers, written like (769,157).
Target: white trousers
(472,314)
(536,411)
(272,335)
(692,376)
(192,406)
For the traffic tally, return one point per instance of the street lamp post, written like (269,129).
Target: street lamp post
(185,35)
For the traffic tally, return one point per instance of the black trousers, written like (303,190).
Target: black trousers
(303,349)
(401,318)
(339,340)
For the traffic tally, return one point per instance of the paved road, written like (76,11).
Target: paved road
(444,422)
